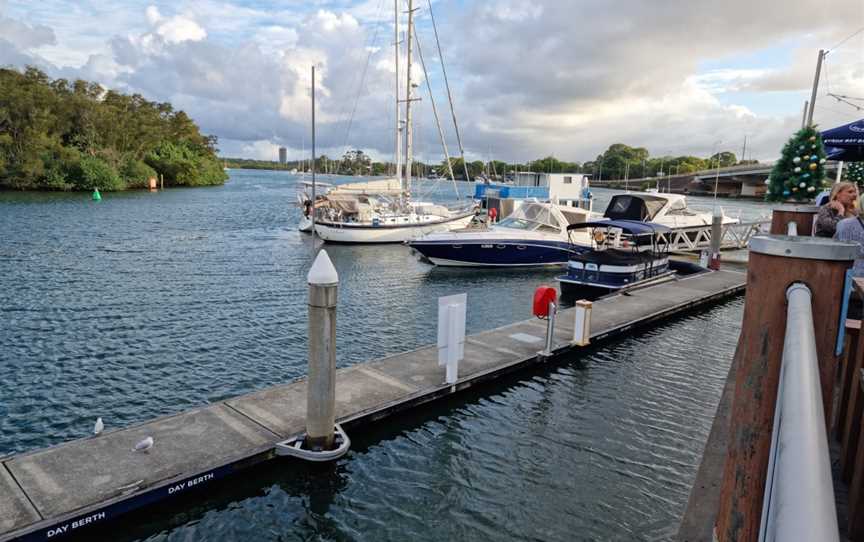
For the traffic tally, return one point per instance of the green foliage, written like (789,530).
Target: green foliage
(184,164)
(726,159)
(96,173)
(136,173)
(855,173)
(61,135)
(799,173)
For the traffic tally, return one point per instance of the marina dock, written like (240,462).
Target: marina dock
(46,494)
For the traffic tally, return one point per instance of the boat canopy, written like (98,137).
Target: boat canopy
(390,187)
(632,227)
(634,207)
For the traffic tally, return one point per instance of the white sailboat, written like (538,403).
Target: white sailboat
(382,211)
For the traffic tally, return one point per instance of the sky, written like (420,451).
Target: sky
(528,78)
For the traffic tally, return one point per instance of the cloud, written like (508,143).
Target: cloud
(529,77)
(174,29)
(23,36)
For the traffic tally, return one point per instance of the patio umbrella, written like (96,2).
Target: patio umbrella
(845,142)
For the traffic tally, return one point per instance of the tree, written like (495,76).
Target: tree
(61,135)
(800,171)
(855,173)
(355,163)
(618,158)
(726,159)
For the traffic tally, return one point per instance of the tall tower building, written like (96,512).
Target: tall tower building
(283,155)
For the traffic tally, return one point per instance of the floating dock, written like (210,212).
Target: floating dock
(65,489)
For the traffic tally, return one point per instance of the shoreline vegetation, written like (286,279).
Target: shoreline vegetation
(615,163)
(65,135)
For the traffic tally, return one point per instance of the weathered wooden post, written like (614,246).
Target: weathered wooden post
(716,239)
(321,393)
(776,261)
(803,217)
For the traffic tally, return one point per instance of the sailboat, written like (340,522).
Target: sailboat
(382,211)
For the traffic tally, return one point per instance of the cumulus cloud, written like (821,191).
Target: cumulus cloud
(530,77)
(174,29)
(18,41)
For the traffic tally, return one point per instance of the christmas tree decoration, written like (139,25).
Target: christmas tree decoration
(854,172)
(787,178)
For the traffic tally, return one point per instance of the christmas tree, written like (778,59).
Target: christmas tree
(800,172)
(855,173)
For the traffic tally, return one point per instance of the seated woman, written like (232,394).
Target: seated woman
(841,204)
(852,230)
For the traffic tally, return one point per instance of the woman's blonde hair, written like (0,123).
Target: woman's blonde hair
(841,186)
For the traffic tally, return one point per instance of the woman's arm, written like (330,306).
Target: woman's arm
(826,220)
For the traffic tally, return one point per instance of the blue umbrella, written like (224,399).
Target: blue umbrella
(845,142)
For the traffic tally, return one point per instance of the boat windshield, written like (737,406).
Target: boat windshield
(531,217)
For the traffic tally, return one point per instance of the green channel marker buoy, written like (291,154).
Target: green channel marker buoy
(96,195)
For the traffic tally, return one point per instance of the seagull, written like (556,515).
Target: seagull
(144,445)
(97,429)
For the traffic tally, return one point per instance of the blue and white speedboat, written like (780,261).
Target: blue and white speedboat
(625,254)
(534,235)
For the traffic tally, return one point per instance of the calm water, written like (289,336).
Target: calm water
(148,304)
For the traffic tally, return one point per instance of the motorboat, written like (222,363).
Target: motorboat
(535,234)
(625,254)
(662,208)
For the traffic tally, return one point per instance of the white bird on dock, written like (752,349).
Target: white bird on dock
(97,429)
(144,445)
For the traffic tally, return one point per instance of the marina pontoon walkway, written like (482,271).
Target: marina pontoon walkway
(57,491)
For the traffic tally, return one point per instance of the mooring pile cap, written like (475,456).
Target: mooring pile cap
(809,248)
(322,271)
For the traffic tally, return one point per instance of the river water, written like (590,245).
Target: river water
(148,304)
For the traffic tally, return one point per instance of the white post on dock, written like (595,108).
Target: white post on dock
(321,393)
(451,334)
(582,323)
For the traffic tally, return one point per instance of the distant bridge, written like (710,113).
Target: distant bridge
(734,181)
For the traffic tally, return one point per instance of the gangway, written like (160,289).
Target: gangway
(734,236)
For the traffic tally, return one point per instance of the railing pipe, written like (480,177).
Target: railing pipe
(799,494)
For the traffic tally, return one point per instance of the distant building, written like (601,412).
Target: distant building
(283,155)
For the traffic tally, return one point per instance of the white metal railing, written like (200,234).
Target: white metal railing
(698,237)
(799,495)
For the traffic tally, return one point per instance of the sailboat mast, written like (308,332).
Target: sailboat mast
(313,152)
(398,155)
(409,159)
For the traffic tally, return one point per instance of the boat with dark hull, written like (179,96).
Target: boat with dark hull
(534,235)
(625,254)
